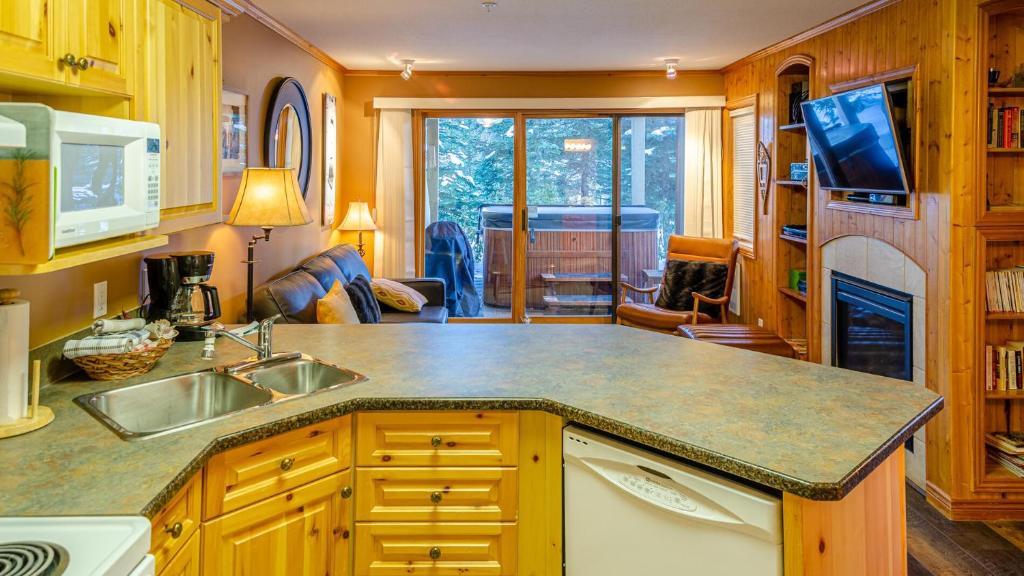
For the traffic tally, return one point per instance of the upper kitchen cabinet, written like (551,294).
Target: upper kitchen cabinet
(78,43)
(179,88)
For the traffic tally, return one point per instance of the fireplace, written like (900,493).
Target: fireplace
(872,327)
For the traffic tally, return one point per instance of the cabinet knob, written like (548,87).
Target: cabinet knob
(436,497)
(435,553)
(346,492)
(435,441)
(174,530)
(69,60)
(83,64)
(287,464)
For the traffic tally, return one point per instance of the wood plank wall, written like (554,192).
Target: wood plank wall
(904,34)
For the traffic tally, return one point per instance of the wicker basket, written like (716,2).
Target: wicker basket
(121,366)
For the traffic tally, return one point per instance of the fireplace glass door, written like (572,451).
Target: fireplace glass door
(872,328)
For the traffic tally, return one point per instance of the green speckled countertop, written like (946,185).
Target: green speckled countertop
(810,430)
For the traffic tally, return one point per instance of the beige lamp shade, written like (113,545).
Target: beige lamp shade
(269,197)
(358,218)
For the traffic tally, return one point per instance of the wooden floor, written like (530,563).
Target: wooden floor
(940,547)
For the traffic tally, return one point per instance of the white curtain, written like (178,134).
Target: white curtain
(702,215)
(394,243)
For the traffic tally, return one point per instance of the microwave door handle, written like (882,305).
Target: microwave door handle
(211,301)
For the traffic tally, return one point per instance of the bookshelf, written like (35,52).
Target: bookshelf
(998,248)
(793,200)
(1002,165)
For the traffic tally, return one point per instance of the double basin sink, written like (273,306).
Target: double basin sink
(179,402)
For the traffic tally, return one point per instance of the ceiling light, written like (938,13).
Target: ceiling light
(407,68)
(670,68)
(578,144)
(489,5)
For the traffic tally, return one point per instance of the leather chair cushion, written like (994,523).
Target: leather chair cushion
(427,314)
(684,277)
(739,336)
(650,316)
(294,296)
(325,270)
(348,261)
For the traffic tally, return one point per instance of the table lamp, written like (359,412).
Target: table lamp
(358,218)
(268,198)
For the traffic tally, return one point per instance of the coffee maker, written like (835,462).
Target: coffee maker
(178,292)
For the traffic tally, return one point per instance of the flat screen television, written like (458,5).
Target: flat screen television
(858,140)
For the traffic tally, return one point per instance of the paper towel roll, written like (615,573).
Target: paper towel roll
(13,361)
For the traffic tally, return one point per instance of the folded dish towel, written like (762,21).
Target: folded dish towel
(110,326)
(119,343)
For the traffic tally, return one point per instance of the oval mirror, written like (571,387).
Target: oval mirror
(289,141)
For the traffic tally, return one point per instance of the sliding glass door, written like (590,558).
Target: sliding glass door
(569,190)
(541,216)
(468,193)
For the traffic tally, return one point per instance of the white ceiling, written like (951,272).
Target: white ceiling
(548,34)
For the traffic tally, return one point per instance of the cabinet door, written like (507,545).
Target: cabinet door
(305,531)
(186,561)
(101,31)
(180,88)
(32,37)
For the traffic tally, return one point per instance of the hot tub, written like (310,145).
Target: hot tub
(566,240)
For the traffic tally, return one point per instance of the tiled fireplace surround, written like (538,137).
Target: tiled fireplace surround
(881,263)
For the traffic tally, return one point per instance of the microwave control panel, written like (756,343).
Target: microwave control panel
(153,176)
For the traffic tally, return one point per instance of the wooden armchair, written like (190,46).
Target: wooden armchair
(642,312)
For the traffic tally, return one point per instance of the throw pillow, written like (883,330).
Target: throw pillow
(362,300)
(336,307)
(684,277)
(398,295)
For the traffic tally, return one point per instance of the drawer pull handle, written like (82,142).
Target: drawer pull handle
(435,553)
(435,441)
(69,60)
(83,64)
(436,497)
(287,464)
(346,492)
(174,530)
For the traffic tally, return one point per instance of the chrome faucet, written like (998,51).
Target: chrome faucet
(264,343)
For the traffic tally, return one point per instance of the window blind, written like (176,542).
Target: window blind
(744,186)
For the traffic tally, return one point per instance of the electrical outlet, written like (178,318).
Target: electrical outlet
(760,322)
(99,299)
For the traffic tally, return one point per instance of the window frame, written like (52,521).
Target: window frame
(749,251)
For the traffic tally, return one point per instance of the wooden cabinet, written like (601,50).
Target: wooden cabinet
(179,88)
(253,472)
(37,35)
(436,494)
(305,531)
(461,549)
(437,439)
(174,525)
(186,562)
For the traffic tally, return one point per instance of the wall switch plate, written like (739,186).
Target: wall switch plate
(99,299)
(760,322)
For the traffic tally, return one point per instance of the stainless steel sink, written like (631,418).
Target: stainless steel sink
(302,376)
(172,404)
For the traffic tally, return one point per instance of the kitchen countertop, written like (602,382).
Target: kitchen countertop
(810,430)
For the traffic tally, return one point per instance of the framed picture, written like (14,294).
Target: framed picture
(234,110)
(330,159)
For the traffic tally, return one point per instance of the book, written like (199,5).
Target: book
(989,380)
(1006,442)
(1004,290)
(1014,464)
(1001,371)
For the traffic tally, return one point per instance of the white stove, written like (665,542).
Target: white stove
(75,546)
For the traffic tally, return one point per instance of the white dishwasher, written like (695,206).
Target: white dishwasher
(629,512)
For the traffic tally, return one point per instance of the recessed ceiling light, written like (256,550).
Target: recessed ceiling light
(407,68)
(670,68)
(489,5)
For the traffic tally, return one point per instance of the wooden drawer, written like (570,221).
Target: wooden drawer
(437,439)
(186,561)
(256,471)
(435,549)
(175,523)
(436,494)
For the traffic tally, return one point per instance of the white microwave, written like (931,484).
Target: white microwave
(104,172)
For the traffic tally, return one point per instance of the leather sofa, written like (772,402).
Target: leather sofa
(294,295)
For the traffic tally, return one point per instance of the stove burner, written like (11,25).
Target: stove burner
(32,559)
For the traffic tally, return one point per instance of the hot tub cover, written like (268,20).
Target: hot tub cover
(572,218)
